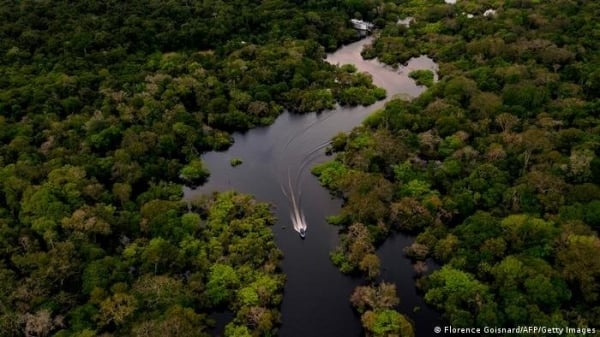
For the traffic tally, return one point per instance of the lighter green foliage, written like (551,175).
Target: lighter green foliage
(190,221)
(405,172)
(232,330)
(194,172)
(330,172)
(454,290)
(221,280)
(524,232)
(422,77)
(387,323)
(416,188)
(248,296)
(509,271)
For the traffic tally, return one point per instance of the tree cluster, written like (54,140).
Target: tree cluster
(95,274)
(376,303)
(105,109)
(494,168)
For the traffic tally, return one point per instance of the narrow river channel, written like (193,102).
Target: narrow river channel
(316,298)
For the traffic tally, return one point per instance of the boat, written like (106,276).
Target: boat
(362,25)
(302,233)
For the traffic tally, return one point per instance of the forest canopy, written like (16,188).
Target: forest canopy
(105,109)
(494,168)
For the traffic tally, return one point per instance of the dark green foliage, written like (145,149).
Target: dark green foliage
(165,277)
(105,109)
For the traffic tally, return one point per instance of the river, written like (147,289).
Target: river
(316,295)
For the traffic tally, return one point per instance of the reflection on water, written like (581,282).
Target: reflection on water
(395,82)
(276,165)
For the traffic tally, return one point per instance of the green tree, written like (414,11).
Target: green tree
(221,281)
(579,264)
(387,323)
(194,172)
(529,234)
(116,309)
(232,330)
(456,292)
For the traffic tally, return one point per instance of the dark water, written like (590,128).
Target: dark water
(316,299)
(398,269)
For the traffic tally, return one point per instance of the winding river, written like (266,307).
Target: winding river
(276,166)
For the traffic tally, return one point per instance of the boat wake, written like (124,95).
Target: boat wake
(296,214)
(292,189)
(294,195)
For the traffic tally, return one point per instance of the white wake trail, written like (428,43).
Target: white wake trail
(295,190)
(296,215)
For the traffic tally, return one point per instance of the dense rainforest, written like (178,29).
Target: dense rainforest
(105,108)
(494,168)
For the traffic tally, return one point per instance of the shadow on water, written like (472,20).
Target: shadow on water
(316,294)
(398,269)
(221,319)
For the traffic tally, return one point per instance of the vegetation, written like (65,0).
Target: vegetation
(235,162)
(375,304)
(194,172)
(422,77)
(105,108)
(494,168)
(163,277)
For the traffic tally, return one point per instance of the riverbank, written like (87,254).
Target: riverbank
(315,290)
